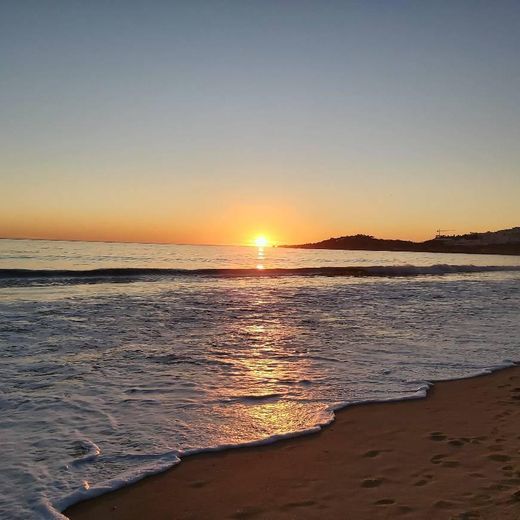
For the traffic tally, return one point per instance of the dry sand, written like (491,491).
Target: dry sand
(454,455)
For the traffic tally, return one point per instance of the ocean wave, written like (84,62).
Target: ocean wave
(120,403)
(112,275)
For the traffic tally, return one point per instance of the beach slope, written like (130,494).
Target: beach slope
(453,455)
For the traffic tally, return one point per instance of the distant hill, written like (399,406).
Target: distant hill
(503,242)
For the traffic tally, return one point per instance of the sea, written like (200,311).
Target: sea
(118,361)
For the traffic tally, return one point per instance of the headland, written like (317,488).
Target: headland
(503,242)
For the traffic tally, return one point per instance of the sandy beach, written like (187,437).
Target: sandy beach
(453,455)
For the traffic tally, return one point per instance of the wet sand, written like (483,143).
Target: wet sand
(453,455)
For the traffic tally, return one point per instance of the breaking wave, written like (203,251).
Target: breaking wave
(60,276)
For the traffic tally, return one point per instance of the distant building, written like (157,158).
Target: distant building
(506,236)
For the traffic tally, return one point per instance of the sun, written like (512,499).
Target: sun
(261,241)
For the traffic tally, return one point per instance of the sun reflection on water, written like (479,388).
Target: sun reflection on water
(260,257)
(270,370)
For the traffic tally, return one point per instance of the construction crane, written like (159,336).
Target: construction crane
(441,231)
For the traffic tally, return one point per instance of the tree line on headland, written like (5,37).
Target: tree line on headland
(503,242)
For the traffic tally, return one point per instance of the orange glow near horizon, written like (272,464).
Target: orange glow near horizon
(253,224)
(234,217)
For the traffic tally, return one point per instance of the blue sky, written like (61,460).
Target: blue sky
(213,121)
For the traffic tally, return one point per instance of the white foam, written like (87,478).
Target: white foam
(143,472)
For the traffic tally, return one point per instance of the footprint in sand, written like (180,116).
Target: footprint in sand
(482,499)
(371,453)
(247,512)
(498,486)
(425,478)
(499,458)
(450,464)
(456,442)
(302,503)
(443,504)
(437,436)
(384,502)
(198,483)
(437,459)
(468,515)
(510,481)
(372,482)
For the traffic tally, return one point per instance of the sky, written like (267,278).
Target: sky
(214,121)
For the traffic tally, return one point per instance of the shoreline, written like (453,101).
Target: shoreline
(452,454)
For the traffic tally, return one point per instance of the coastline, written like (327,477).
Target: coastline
(453,454)
(501,242)
(451,251)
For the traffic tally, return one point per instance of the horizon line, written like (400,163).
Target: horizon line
(121,242)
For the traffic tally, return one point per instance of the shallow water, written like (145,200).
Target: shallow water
(101,383)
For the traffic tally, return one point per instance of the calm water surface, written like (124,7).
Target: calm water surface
(44,254)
